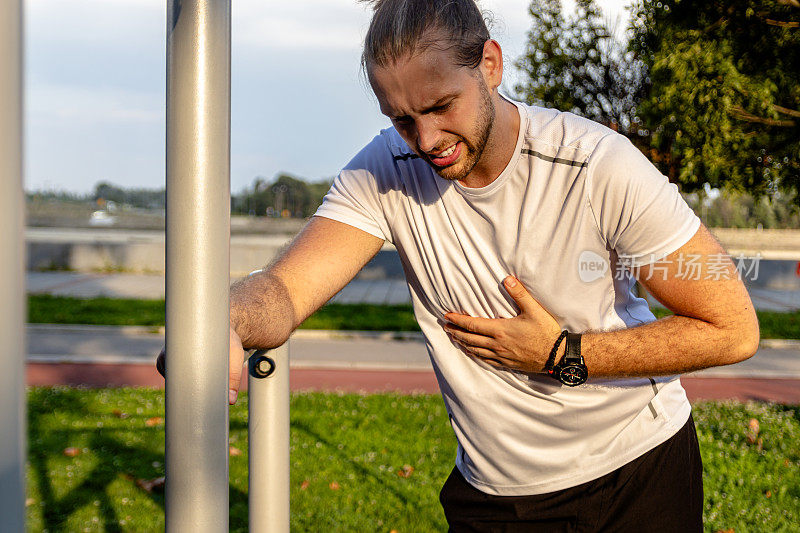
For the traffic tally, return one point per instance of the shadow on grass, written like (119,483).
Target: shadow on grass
(112,453)
(112,459)
(365,473)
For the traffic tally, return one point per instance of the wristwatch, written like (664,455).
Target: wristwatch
(571,370)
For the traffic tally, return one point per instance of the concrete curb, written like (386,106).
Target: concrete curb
(321,334)
(150,361)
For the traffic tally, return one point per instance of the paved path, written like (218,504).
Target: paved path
(390,291)
(114,356)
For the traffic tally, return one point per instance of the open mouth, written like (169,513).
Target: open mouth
(447,157)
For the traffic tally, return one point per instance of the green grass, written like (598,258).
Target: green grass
(46,309)
(359,443)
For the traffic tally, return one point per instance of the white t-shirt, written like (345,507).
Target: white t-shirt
(575,200)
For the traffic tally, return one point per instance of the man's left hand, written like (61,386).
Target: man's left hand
(522,343)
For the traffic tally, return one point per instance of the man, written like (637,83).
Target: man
(516,225)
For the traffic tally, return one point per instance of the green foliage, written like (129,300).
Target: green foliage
(723,103)
(134,197)
(733,209)
(284,196)
(346,455)
(709,91)
(578,65)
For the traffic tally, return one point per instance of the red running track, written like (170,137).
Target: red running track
(137,375)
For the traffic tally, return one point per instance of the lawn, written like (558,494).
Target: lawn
(45,309)
(359,463)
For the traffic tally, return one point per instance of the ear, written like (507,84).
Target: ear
(492,64)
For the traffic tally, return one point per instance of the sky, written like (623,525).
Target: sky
(95,88)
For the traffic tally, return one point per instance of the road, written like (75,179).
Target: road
(107,355)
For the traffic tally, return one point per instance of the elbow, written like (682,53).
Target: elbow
(749,337)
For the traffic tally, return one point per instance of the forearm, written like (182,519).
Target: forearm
(262,312)
(671,345)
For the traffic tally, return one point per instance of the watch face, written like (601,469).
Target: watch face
(573,375)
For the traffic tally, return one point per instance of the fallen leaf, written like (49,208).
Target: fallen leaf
(304,485)
(726,530)
(334,485)
(154,421)
(29,502)
(150,485)
(394,531)
(406,471)
(234,451)
(752,431)
(119,414)
(768,494)
(71,451)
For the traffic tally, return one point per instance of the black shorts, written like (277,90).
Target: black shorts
(659,492)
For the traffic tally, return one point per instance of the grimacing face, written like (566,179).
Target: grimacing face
(443,111)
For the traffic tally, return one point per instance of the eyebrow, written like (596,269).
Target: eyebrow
(438,103)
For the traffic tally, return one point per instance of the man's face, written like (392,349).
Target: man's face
(443,111)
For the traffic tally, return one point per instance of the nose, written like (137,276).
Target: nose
(428,135)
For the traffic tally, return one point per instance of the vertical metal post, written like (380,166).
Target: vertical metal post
(12,274)
(268,441)
(197,264)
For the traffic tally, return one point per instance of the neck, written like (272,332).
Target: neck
(499,147)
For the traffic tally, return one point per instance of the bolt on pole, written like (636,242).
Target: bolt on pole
(197,264)
(12,273)
(268,440)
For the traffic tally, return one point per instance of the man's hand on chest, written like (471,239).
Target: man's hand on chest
(522,343)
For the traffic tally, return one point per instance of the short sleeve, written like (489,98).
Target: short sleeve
(355,198)
(638,211)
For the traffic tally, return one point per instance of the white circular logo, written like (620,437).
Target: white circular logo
(591,266)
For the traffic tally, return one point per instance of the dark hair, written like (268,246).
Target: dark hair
(404,27)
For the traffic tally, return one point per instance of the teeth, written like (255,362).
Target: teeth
(447,153)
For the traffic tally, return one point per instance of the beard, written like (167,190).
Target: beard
(475,144)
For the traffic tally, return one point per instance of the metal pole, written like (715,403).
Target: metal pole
(197,264)
(12,273)
(268,440)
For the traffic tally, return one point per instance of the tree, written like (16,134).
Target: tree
(578,65)
(723,98)
(284,194)
(709,91)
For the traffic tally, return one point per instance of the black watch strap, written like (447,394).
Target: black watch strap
(572,352)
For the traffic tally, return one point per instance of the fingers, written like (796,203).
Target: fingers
(521,296)
(470,339)
(236,363)
(483,326)
(487,356)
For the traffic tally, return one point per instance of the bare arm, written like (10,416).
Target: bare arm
(714,323)
(266,307)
